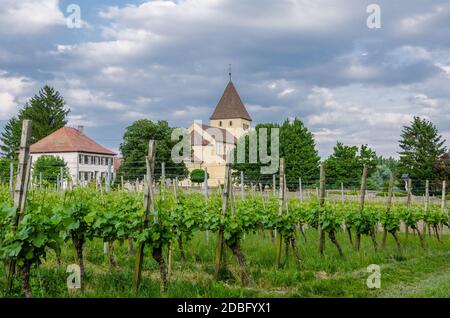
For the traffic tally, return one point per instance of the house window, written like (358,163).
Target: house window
(80,159)
(231,123)
(220,123)
(246,126)
(86,160)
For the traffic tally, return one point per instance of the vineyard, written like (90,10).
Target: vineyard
(175,243)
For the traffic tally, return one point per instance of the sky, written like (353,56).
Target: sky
(168,60)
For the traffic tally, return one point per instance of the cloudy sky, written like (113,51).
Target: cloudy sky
(312,59)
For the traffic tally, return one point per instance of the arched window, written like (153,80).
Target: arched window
(220,123)
(231,123)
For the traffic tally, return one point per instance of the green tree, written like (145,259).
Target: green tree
(297,147)
(345,164)
(4,169)
(442,167)
(50,167)
(134,149)
(47,111)
(421,147)
(379,179)
(198,176)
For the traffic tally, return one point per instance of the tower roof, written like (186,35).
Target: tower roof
(68,139)
(230,105)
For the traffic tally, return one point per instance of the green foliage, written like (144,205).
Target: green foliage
(346,163)
(48,113)
(134,149)
(379,179)
(50,167)
(5,169)
(198,176)
(297,147)
(421,147)
(442,167)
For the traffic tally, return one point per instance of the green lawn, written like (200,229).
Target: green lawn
(416,273)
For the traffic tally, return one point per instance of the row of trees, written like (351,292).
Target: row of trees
(422,156)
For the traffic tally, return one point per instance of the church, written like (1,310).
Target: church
(211,143)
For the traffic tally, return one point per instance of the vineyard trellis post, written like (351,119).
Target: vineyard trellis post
(388,207)
(242,186)
(274,185)
(149,207)
(220,236)
(40,181)
(444,186)
(205,182)
(342,194)
(408,201)
(300,188)
(361,202)
(20,191)
(279,239)
(11,179)
(322,194)
(163,180)
(427,206)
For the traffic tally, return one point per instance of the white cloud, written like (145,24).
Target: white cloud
(29,16)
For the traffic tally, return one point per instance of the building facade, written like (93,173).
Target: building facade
(211,144)
(86,160)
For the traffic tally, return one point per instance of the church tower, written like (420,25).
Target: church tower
(230,113)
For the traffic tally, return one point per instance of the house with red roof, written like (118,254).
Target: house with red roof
(86,160)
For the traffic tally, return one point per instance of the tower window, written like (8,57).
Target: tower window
(231,123)
(220,123)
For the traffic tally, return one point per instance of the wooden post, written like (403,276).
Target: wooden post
(149,208)
(279,239)
(20,192)
(40,181)
(363,188)
(274,182)
(443,200)
(362,200)
(108,181)
(175,189)
(242,186)
(388,206)
(408,201)
(61,180)
(342,194)
(205,182)
(322,194)
(427,205)
(163,180)
(11,179)
(220,237)
(300,187)
(121,183)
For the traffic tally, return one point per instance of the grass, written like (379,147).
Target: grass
(416,273)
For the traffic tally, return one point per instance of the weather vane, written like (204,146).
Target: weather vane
(229,71)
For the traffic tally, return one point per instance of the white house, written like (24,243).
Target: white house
(86,159)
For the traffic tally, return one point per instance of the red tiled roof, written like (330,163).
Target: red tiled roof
(68,139)
(230,105)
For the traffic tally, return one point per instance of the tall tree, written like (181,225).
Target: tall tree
(442,167)
(297,147)
(345,164)
(134,149)
(421,147)
(50,167)
(47,111)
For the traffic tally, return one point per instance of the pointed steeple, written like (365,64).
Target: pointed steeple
(230,105)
